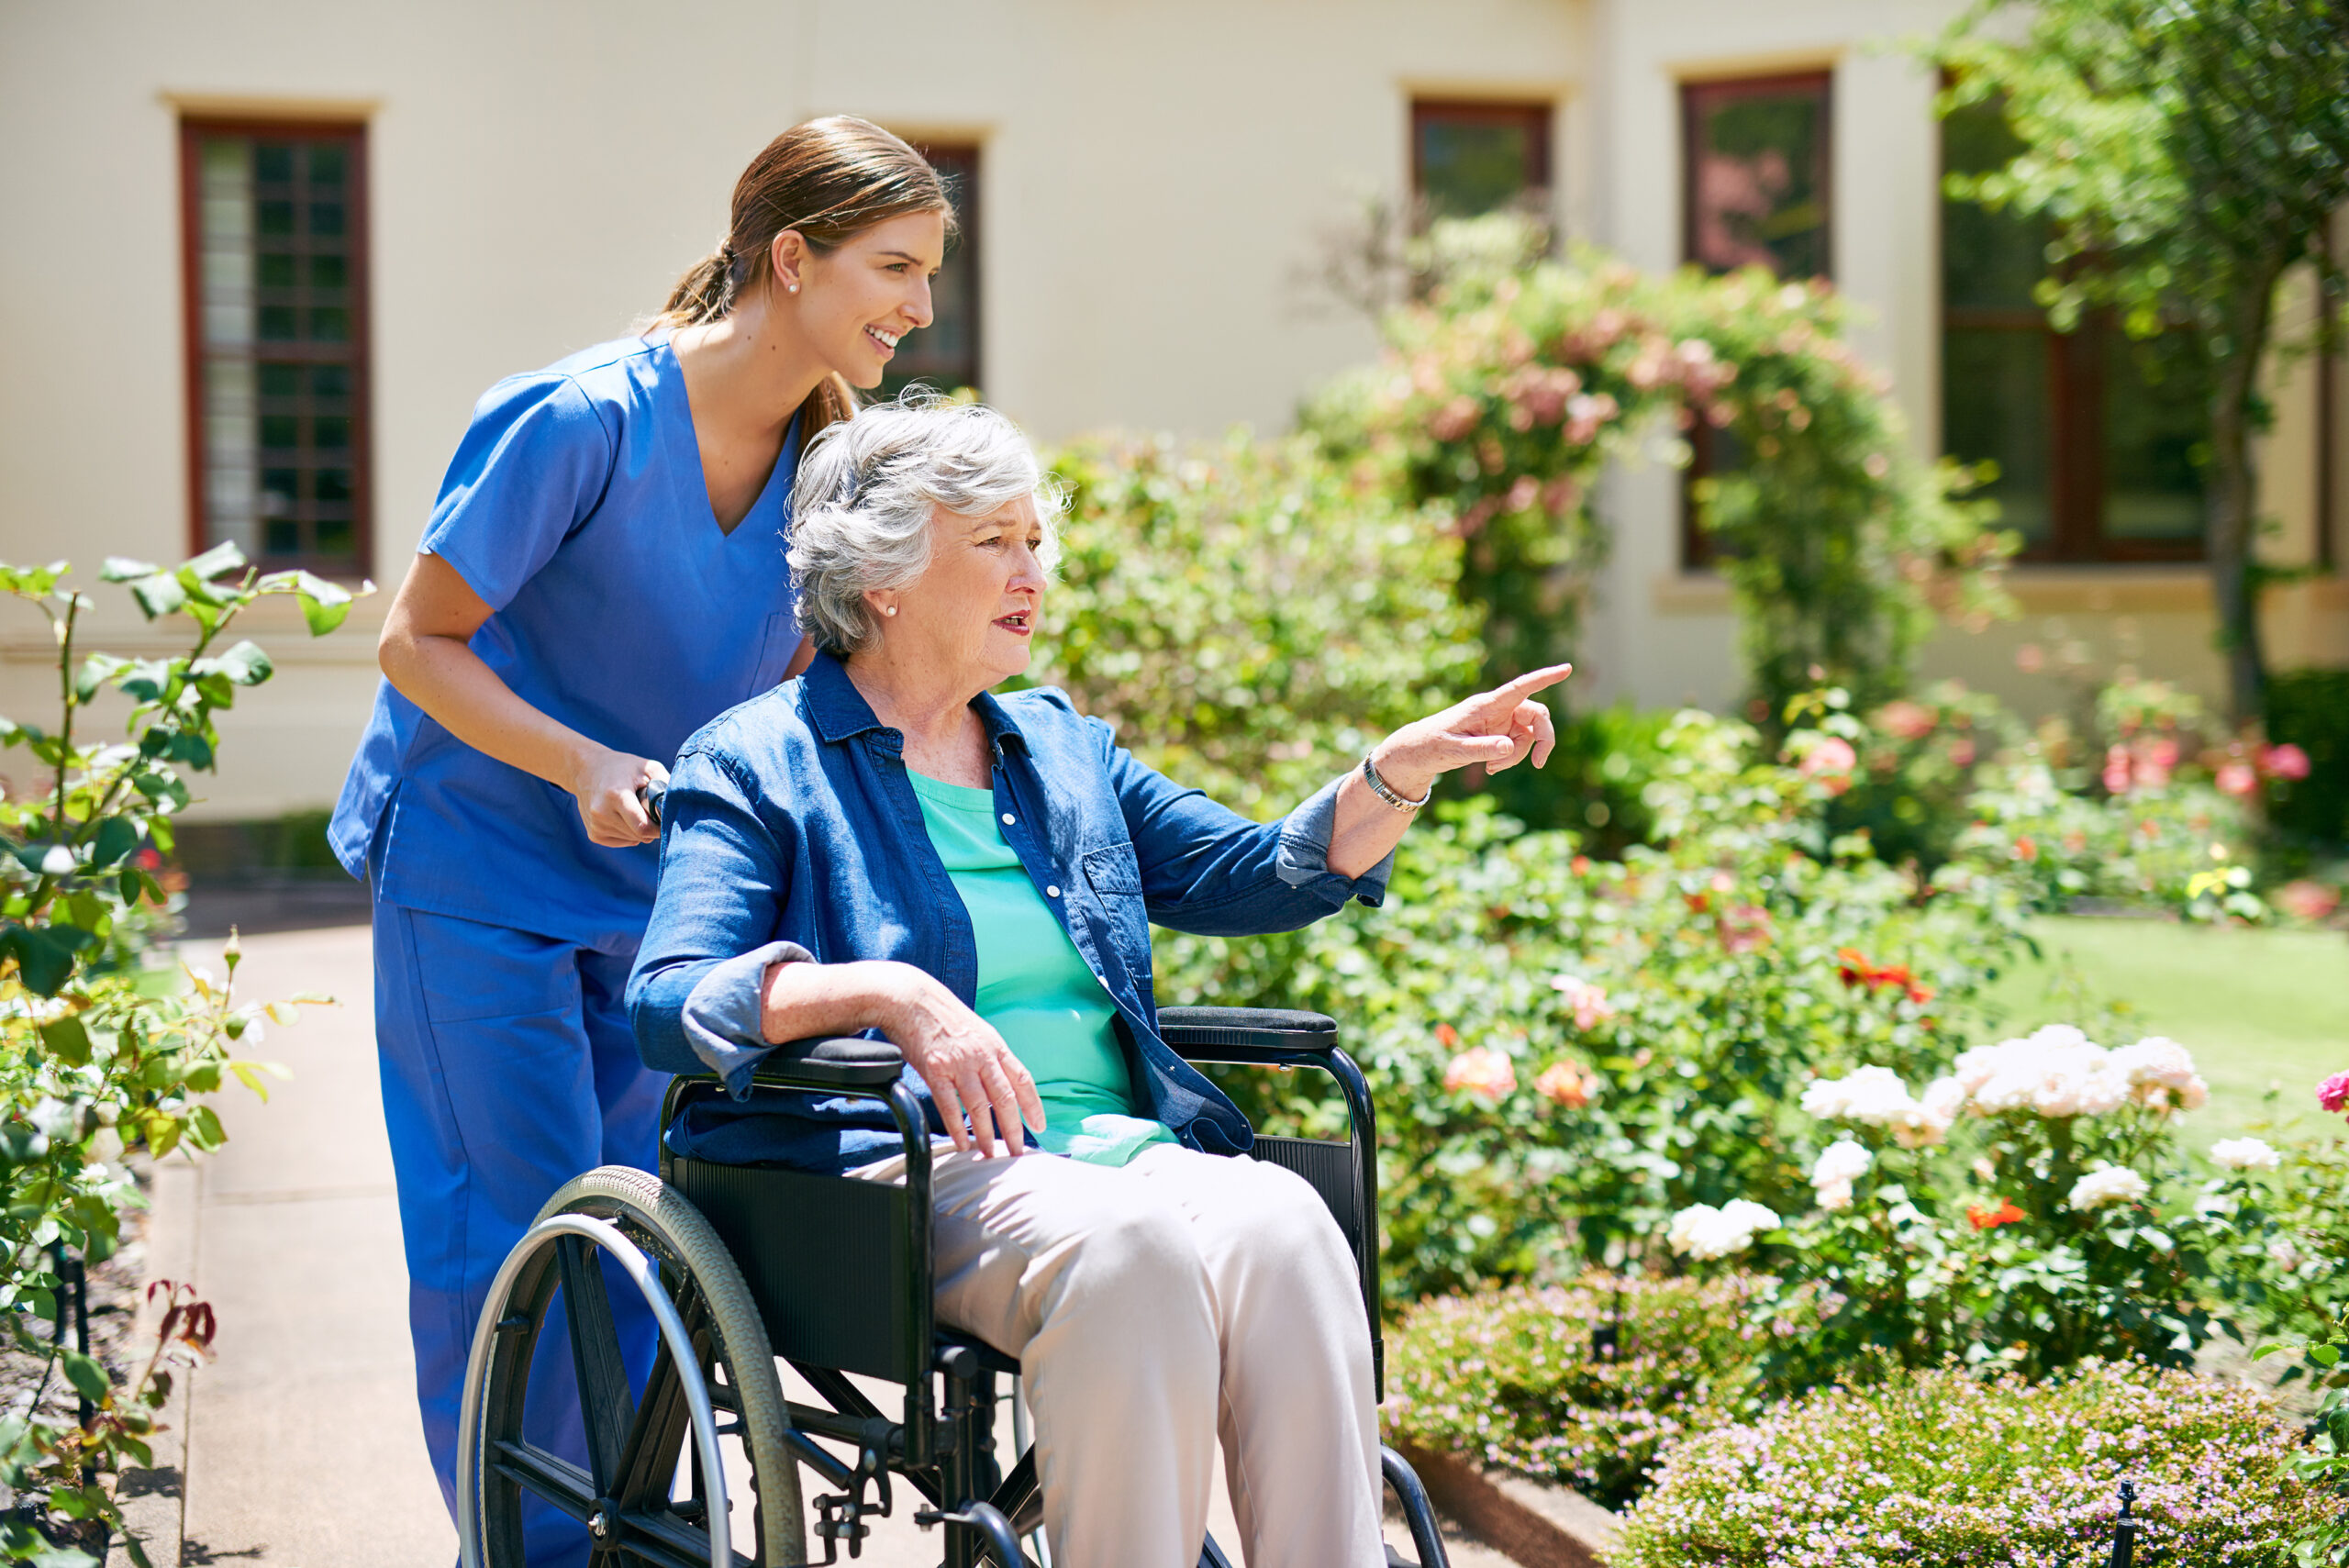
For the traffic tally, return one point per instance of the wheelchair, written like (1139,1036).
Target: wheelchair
(744,1266)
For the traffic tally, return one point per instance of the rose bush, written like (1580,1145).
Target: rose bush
(94,1066)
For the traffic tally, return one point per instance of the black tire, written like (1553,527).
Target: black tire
(635,1450)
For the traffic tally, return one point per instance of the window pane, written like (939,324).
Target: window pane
(2156,400)
(1989,259)
(945,354)
(1471,163)
(1995,407)
(1757,175)
(273,263)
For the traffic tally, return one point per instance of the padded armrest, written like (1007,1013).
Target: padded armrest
(1190,1032)
(844,1062)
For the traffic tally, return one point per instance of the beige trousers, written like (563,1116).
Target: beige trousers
(1156,1309)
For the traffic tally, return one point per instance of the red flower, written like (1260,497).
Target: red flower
(1991,1218)
(1447,1037)
(1853,966)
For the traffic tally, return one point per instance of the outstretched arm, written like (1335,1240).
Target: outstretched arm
(1499,728)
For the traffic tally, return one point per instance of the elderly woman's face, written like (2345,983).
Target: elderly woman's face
(975,611)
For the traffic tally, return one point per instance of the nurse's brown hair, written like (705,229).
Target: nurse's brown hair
(828,180)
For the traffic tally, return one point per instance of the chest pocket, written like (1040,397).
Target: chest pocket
(1114,875)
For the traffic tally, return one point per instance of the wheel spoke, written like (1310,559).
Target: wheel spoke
(648,1464)
(550,1477)
(604,1398)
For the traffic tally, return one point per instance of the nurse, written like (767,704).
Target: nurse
(603,575)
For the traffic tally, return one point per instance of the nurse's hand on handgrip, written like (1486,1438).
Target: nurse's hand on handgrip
(606,785)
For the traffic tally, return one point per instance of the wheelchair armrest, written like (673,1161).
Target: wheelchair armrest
(844,1062)
(1246,1034)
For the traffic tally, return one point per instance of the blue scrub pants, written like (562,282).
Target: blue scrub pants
(508,1068)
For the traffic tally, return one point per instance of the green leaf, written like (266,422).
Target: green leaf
(117,837)
(88,1378)
(217,561)
(68,1038)
(44,954)
(159,595)
(122,569)
(324,604)
(2325,1355)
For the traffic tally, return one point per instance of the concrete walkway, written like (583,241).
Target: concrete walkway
(301,1443)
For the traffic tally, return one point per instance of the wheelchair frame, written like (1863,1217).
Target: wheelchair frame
(870,1243)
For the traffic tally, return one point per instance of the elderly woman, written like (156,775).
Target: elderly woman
(880,844)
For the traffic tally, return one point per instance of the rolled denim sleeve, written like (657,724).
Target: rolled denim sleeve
(1211,872)
(1304,854)
(693,997)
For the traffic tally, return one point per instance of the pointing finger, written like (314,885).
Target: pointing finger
(1534,681)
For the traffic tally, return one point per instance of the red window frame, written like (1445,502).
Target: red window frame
(1533,115)
(194,130)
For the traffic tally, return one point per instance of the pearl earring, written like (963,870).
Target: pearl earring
(794,287)
(890,611)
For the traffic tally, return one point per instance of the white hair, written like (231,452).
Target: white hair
(861,503)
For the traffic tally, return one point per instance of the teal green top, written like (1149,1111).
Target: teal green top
(1034,988)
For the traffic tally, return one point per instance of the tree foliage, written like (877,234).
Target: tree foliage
(2184,155)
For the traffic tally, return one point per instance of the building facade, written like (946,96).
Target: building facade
(263,257)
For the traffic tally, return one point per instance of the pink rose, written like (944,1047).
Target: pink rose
(2307,900)
(1905,720)
(1589,1002)
(2237,779)
(2116,770)
(1566,1085)
(2332,1094)
(1830,761)
(1480,1070)
(2284,762)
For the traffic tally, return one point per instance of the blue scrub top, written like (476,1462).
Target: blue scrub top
(576,509)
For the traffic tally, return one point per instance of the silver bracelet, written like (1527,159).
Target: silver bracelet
(1386,791)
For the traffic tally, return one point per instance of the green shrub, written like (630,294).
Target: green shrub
(1520,1378)
(2310,708)
(1249,614)
(1936,1467)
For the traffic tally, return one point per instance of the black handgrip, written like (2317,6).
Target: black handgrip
(842,1062)
(1186,1030)
(650,794)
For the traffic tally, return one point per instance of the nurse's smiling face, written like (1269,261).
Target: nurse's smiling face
(975,611)
(855,302)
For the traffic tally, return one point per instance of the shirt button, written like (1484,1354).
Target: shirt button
(1052,893)
(1008,819)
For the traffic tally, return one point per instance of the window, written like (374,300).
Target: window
(275,236)
(945,354)
(1755,192)
(2097,439)
(1468,159)
(1755,186)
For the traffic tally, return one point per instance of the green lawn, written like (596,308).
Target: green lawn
(2256,1008)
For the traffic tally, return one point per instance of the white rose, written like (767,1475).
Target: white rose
(2244,1154)
(1835,1194)
(2111,1183)
(2156,1060)
(1844,1161)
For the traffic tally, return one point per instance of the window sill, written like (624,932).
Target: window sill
(2103,587)
(1696,592)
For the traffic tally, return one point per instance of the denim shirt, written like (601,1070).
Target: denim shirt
(790,834)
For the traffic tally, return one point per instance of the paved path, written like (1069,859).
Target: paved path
(303,1448)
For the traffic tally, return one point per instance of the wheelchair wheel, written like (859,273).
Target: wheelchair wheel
(629,1496)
